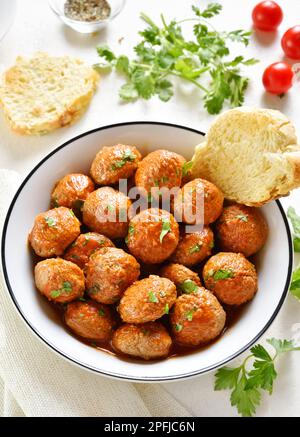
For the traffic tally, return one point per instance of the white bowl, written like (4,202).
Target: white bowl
(7,14)
(274,262)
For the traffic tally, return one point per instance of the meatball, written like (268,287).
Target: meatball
(194,247)
(147,300)
(161,168)
(53,231)
(71,190)
(149,341)
(231,277)
(197,318)
(152,235)
(59,280)
(106,211)
(185,279)
(84,246)
(199,201)
(109,272)
(241,229)
(90,320)
(114,163)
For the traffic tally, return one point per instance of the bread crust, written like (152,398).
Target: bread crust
(43,93)
(273,144)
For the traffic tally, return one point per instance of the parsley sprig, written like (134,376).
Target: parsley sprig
(246,383)
(295,220)
(164,53)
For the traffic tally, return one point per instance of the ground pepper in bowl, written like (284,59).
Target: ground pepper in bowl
(87,10)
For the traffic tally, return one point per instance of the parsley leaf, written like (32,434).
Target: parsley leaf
(165,229)
(222,274)
(188,286)
(246,385)
(242,217)
(178,327)
(195,249)
(167,309)
(295,284)
(164,52)
(128,156)
(130,232)
(295,220)
(51,222)
(186,168)
(152,297)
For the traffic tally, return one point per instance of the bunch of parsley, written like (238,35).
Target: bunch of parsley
(246,383)
(164,53)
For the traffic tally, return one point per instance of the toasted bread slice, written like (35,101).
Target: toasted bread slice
(43,93)
(252,155)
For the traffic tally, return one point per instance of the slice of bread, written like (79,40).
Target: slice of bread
(251,154)
(43,93)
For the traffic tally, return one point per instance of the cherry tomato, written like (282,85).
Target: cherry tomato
(291,42)
(278,78)
(267,16)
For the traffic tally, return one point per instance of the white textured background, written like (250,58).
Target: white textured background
(37,28)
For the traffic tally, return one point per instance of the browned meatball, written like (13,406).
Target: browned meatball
(90,320)
(71,190)
(197,318)
(161,168)
(53,231)
(109,272)
(84,246)
(59,280)
(114,163)
(186,280)
(241,229)
(199,201)
(231,277)
(149,341)
(152,235)
(106,211)
(194,247)
(147,300)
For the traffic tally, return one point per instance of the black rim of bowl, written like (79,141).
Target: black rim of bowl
(124,376)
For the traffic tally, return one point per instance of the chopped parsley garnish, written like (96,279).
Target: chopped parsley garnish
(152,297)
(195,248)
(295,284)
(186,168)
(51,222)
(167,309)
(82,299)
(188,286)
(110,208)
(86,240)
(223,274)
(178,327)
(164,179)
(130,232)
(189,315)
(101,312)
(66,288)
(242,217)
(166,228)
(72,213)
(128,156)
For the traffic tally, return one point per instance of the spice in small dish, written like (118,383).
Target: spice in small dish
(87,10)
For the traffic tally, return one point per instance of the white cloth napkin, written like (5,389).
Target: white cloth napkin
(36,382)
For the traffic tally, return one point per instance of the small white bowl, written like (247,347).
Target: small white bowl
(83,26)
(7,14)
(274,262)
